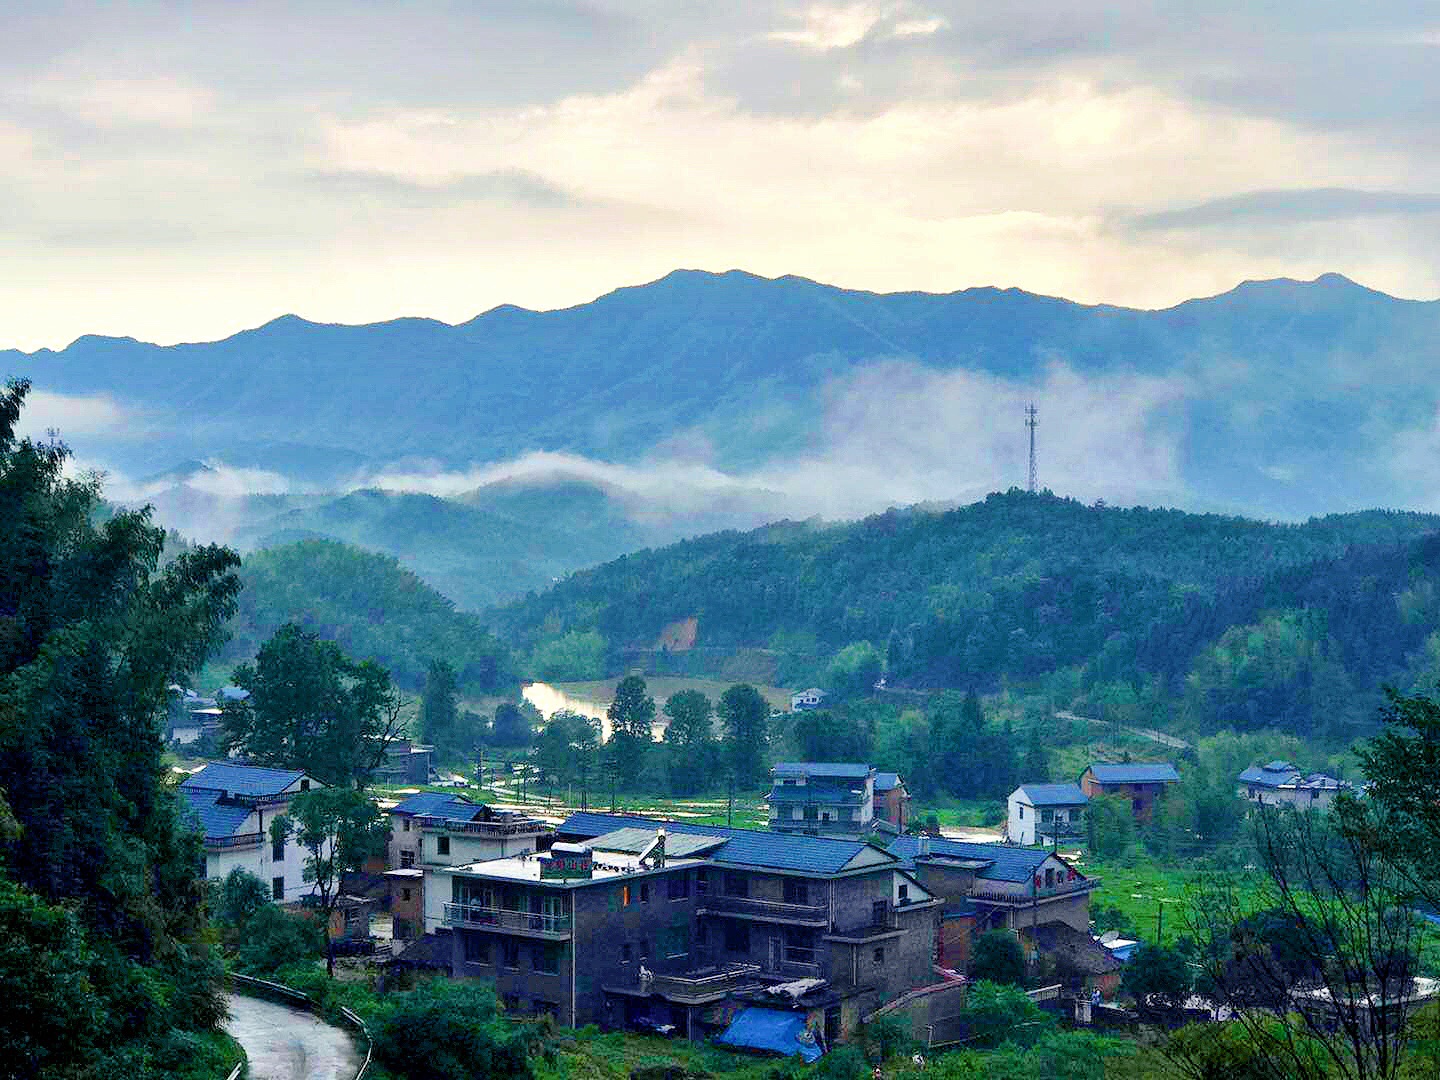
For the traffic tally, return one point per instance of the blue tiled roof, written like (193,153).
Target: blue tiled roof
(742,847)
(215,819)
(1267,776)
(847,770)
(1006,863)
(438,804)
(243,779)
(1053,794)
(1139,772)
(886,781)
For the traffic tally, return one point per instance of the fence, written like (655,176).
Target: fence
(260,987)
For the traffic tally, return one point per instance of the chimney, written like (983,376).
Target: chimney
(924,847)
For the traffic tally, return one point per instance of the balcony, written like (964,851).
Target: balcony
(818,796)
(234,843)
(1027,897)
(777,911)
(702,985)
(521,827)
(507,921)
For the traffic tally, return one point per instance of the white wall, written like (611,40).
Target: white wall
(1020,828)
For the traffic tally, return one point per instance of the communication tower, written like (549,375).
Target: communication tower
(1030,423)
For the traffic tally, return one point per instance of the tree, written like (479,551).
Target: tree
(1302,954)
(566,748)
(514,724)
(97,618)
(440,711)
(572,657)
(825,735)
(240,896)
(1109,825)
(995,1014)
(690,739)
(1035,766)
(631,714)
(855,670)
(996,957)
(450,1031)
(1159,980)
(744,716)
(340,828)
(313,708)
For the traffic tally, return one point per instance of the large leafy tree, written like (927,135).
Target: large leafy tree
(631,713)
(440,710)
(311,707)
(744,716)
(92,630)
(689,740)
(339,828)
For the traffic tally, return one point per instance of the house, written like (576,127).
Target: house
(405,763)
(1279,783)
(802,700)
(233,805)
(1142,782)
(892,801)
(822,798)
(1046,814)
(441,829)
(985,887)
(636,922)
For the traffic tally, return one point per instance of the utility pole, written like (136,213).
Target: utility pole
(1030,422)
(730,806)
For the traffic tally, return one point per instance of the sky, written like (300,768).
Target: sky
(180,171)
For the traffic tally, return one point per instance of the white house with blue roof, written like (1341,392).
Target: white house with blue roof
(233,806)
(822,798)
(1046,814)
(435,828)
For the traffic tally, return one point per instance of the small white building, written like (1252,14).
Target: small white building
(803,700)
(1046,814)
(440,829)
(1279,783)
(234,806)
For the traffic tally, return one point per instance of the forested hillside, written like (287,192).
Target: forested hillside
(1216,621)
(370,605)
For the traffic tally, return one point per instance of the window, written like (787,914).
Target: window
(547,958)
(407,859)
(878,911)
(799,945)
(626,953)
(404,894)
(879,956)
(277,888)
(304,783)
(796,892)
(624,895)
(1047,816)
(477,949)
(1049,878)
(277,850)
(1021,808)
(702,882)
(644,892)
(510,952)
(737,885)
(904,893)
(737,938)
(1137,805)
(405,824)
(679,886)
(442,845)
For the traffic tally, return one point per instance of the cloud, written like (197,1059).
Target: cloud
(518,186)
(1293,206)
(71,415)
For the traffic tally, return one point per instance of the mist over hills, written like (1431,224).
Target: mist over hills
(705,401)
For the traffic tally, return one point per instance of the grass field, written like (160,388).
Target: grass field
(1150,896)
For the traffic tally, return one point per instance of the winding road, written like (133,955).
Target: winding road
(283,1043)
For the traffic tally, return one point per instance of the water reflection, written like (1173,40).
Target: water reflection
(550,700)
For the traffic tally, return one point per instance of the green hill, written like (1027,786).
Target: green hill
(367,603)
(1034,589)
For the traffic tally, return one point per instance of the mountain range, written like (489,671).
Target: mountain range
(497,454)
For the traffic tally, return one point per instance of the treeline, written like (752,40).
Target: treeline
(1172,607)
(370,606)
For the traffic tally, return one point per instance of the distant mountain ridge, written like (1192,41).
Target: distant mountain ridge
(1292,391)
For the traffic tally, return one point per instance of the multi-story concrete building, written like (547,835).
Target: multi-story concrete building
(635,921)
(1046,814)
(440,829)
(822,798)
(234,806)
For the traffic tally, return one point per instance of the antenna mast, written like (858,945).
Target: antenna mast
(1030,423)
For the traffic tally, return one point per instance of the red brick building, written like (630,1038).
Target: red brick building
(1142,782)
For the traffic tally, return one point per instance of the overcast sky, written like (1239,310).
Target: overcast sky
(180,171)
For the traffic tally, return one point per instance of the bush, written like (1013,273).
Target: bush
(996,957)
(274,937)
(449,1031)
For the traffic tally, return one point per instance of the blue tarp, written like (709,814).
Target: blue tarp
(769,1029)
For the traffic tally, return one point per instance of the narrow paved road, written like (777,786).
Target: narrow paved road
(1144,733)
(290,1044)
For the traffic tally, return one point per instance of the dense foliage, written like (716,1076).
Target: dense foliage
(105,965)
(368,605)
(1219,620)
